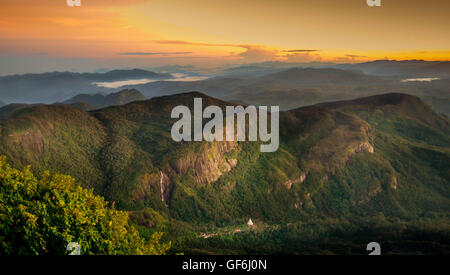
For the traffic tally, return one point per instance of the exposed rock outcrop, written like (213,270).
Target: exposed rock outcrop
(143,189)
(364,147)
(159,180)
(298,180)
(393,183)
(30,140)
(207,163)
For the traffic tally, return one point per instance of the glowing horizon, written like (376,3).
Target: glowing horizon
(136,33)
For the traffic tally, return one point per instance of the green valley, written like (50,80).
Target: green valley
(346,173)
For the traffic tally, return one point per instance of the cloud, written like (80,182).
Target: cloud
(153,53)
(182,42)
(256,53)
(355,56)
(299,51)
(252,53)
(303,57)
(261,53)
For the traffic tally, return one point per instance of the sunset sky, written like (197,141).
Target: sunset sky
(48,35)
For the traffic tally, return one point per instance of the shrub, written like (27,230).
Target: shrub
(43,215)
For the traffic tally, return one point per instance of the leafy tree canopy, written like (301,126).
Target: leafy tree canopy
(43,215)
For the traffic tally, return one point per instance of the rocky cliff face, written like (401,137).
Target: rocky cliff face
(30,140)
(209,163)
(207,166)
(298,180)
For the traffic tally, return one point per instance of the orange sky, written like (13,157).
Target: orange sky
(157,32)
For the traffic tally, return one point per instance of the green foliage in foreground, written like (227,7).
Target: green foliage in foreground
(41,216)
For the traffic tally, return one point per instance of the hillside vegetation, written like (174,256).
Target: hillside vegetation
(375,166)
(43,215)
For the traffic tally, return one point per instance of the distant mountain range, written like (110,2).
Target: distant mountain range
(261,83)
(58,86)
(306,77)
(97,101)
(298,87)
(408,68)
(345,171)
(83,102)
(294,78)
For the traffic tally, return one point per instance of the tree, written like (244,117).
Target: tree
(42,216)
